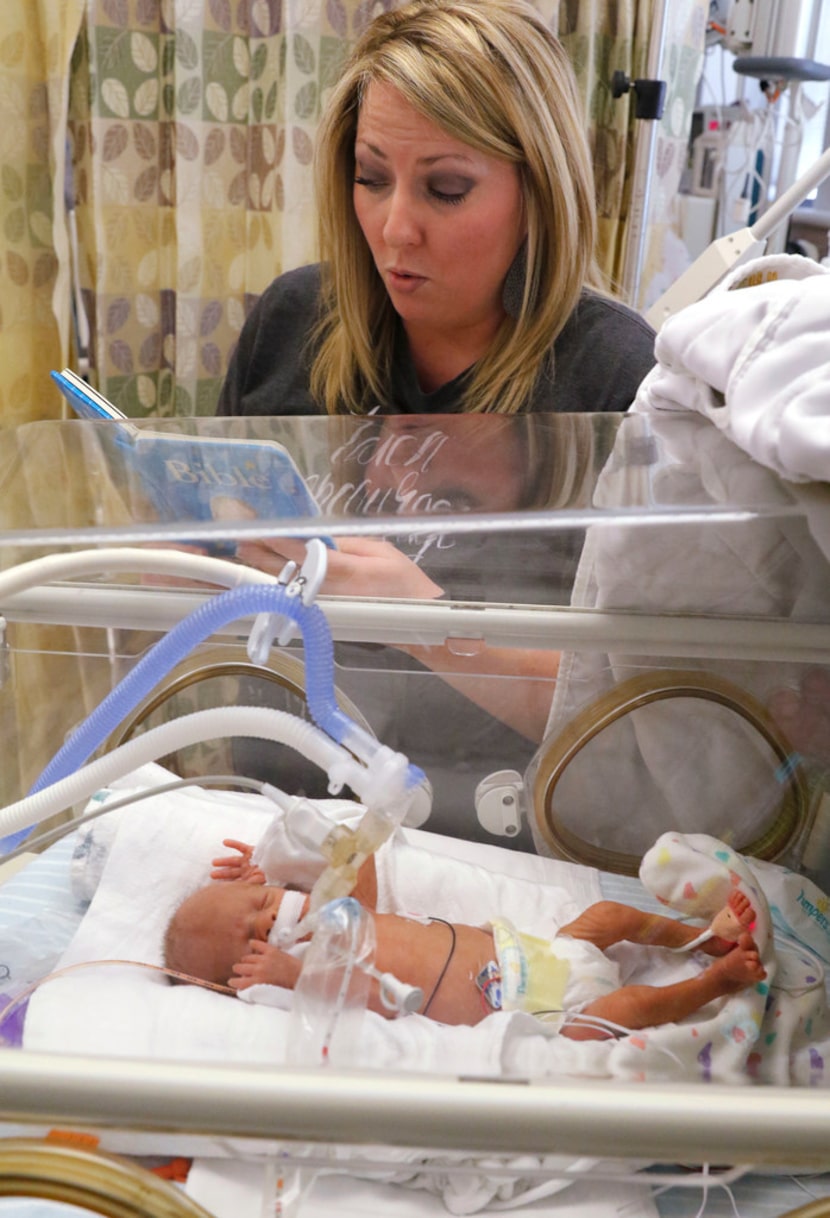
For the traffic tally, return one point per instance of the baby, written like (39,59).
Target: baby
(220,934)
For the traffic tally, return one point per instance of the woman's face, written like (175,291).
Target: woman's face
(456,463)
(442,220)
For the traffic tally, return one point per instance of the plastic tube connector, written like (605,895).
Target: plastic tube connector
(397,995)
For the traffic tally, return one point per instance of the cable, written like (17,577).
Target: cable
(34,844)
(443,972)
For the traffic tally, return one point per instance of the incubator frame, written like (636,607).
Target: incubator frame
(277,1108)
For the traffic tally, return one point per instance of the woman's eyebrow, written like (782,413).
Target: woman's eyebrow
(423,160)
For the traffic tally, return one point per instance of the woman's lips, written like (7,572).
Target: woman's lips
(404,281)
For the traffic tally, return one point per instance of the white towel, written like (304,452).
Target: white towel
(753,358)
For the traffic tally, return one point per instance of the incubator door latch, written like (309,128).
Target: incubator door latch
(500,802)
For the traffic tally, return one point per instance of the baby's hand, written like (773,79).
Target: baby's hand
(265,965)
(237,866)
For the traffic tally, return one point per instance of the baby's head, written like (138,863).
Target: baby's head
(212,928)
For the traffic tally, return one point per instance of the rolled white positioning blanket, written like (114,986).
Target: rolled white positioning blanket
(753,358)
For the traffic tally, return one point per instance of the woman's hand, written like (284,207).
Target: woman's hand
(803,714)
(360,566)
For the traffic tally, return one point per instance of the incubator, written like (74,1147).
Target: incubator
(579,633)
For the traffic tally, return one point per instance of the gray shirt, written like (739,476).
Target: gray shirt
(600,357)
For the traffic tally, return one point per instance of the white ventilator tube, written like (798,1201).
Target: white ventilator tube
(262,722)
(177,564)
(344,850)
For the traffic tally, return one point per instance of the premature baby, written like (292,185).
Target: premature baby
(220,934)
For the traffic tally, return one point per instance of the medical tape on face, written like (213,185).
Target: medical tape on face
(288,915)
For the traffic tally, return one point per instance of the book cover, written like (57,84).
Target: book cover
(200,477)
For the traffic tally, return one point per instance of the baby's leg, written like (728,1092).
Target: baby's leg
(609,922)
(646,1006)
(736,916)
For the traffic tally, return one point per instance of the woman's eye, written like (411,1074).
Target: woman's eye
(369,183)
(457,499)
(450,191)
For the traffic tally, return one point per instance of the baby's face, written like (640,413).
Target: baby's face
(219,921)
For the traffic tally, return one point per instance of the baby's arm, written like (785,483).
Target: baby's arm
(240,867)
(265,965)
(237,866)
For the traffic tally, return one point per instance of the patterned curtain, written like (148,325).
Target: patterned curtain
(604,36)
(192,126)
(36,41)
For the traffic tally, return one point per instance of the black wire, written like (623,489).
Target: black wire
(443,972)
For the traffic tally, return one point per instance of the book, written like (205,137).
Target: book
(196,478)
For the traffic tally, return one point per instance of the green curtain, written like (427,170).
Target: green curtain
(36,40)
(192,127)
(604,36)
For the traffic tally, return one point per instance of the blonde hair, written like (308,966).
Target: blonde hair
(488,72)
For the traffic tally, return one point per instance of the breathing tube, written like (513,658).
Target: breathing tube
(78,563)
(387,770)
(265,723)
(182,639)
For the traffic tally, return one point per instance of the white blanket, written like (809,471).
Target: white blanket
(753,358)
(163,848)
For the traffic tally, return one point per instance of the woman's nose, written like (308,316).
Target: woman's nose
(401,226)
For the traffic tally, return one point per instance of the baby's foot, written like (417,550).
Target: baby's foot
(730,922)
(739,968)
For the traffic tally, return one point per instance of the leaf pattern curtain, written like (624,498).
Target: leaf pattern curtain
(36,40)
(604,36)
(192,125)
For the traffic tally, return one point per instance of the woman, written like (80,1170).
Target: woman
(457,231)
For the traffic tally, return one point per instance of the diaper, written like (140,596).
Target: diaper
(544,978)
(591,973)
